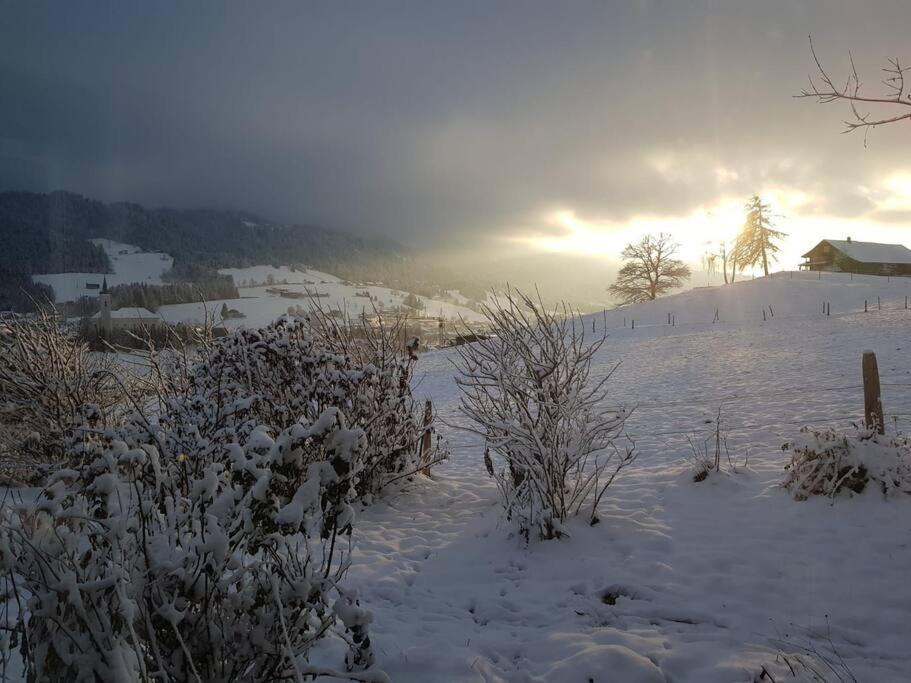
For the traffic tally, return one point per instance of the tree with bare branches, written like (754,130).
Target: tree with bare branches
(48,379)
(650,270)
(756,241)
(552,443)
(867,112)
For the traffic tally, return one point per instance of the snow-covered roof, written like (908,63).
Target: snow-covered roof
(122,313)
(870,252)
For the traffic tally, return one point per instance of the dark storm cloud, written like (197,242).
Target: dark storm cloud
(435,122)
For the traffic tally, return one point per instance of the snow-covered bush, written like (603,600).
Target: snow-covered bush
(46,376)
(552,444)
(205,537)
(826,462)
(217,563)
(399,440)
(275,375)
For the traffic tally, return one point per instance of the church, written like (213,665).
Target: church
(107,320)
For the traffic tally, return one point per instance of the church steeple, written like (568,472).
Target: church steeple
(104,301)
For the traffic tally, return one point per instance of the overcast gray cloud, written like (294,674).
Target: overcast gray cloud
(434,122)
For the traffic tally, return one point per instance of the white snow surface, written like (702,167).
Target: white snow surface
(260,307)
(708,579)
(130,264)
(131,312)
(259,275)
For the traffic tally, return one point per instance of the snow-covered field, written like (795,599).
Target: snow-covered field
(681,581)
(260,307)
(260,275)
(130,264)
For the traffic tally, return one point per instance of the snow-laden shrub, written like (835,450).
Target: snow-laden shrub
(826,462)
(552,443)
(205,538)
(46,376)
(219,564)
(398,429)
(275,375)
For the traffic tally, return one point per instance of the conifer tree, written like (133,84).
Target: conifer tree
(757,240)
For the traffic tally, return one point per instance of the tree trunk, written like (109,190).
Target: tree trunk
(765,261)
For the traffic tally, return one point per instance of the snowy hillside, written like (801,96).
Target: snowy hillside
(261,275)
(681,581)
(130,264)
(261,306)
(789,293)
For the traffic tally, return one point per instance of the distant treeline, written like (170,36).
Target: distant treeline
(209,238)
(202,241)
(18,292)
(153,296)
(143,295)
(26,252)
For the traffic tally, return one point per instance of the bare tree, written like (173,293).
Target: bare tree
(650,270)
(893,105)
(48,379)
(756,242)
(726,257)
(552,445)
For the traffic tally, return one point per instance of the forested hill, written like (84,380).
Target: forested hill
(48,233)
(31,223)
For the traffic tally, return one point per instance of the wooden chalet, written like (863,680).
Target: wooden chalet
(849,256)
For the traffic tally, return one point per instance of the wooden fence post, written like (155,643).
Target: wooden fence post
(873,403)
(426,437)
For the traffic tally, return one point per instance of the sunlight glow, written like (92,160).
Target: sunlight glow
(892,194)
(564,231)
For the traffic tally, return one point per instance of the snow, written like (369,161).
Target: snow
(259,275)
(130,313)
(872,252)
(708,580)
(260,307)
(132,266)
(680,581)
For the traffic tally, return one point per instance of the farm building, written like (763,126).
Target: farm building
(848,256)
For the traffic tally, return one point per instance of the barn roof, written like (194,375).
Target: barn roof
(869,252)
(130,312)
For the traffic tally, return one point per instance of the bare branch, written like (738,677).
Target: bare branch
(824,91)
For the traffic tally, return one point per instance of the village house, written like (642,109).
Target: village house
(849,256)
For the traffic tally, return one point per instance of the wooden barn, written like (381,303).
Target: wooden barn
(849,256)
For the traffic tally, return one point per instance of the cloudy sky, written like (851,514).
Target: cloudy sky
(519,127)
